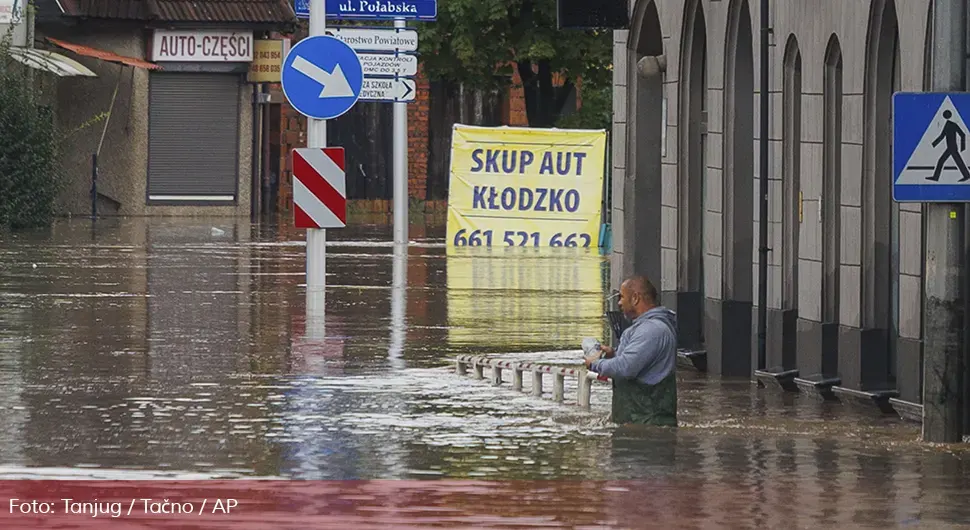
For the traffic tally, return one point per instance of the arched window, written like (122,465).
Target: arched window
(738,189)
(791,171)
(831,180)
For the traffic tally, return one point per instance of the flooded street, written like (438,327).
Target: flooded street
(178,348)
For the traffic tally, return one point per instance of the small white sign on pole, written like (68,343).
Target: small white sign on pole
(384,40)
(389,64)
(396,90)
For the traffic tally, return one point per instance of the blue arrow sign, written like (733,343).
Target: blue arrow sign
(930,140)
(322,77)
(373,9)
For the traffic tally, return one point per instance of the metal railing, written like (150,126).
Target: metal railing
(585,378)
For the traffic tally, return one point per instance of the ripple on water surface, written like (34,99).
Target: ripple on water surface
(166,349)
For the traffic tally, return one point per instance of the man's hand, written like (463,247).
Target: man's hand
(605,351)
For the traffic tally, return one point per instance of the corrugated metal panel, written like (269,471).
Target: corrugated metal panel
(116,9)
(265,11)
(225,10)
(88,51)
(193,142)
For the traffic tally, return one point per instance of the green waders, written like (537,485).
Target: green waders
(635,402)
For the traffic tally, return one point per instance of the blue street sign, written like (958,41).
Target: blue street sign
(930,155)
(373,9)
(322,77)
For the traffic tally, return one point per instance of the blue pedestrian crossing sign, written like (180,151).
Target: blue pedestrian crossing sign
(322,77)
(930,139)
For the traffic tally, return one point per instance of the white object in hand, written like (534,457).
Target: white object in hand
(591,345)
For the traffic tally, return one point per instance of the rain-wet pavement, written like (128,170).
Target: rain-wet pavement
(177,348)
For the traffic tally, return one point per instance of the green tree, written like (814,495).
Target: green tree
(476,41)
(29,172)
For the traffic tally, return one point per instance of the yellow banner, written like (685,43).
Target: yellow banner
(519,299)
(525,187)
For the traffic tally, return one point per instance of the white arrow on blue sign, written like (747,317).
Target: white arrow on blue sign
(373,9)
(322,77)
(930,140)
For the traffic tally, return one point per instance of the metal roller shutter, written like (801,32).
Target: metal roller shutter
(193,137)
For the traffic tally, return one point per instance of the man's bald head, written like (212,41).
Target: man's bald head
(641,285)
(637,295)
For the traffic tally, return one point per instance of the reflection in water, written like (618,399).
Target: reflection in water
(525,297)
(399,285)
(163,348)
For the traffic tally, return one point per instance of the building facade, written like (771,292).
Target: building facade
(846,261)
(180,136)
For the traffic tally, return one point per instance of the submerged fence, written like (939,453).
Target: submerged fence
(585,378)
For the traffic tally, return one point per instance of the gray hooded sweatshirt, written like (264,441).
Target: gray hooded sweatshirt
(647,351)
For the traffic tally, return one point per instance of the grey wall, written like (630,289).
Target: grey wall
(812,27)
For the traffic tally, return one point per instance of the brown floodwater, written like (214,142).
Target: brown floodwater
(179,348)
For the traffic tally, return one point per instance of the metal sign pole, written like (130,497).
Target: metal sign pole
(400,129)
(316,238)
(944,291)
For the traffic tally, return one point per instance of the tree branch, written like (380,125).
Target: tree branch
(563,95)
(525,72)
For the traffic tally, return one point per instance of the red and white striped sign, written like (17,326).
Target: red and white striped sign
(319,187)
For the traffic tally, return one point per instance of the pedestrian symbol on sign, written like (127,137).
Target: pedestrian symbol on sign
(949,133)
(929,143)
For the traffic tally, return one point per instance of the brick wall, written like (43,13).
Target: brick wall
(418,137)
(293,134)
(515,115)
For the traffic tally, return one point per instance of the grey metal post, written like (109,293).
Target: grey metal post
(479,367)
(763,248)
(400,141)
(585,388)
(943,291)
(496,375)
(316,238)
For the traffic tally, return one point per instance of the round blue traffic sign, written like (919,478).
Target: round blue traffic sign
(322,77)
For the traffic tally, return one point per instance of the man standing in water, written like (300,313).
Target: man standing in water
(643,365)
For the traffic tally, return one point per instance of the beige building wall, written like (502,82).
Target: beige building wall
(123,160)
(806,31)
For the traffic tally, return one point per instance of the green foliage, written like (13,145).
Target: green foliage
(475,42)
(29,172)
